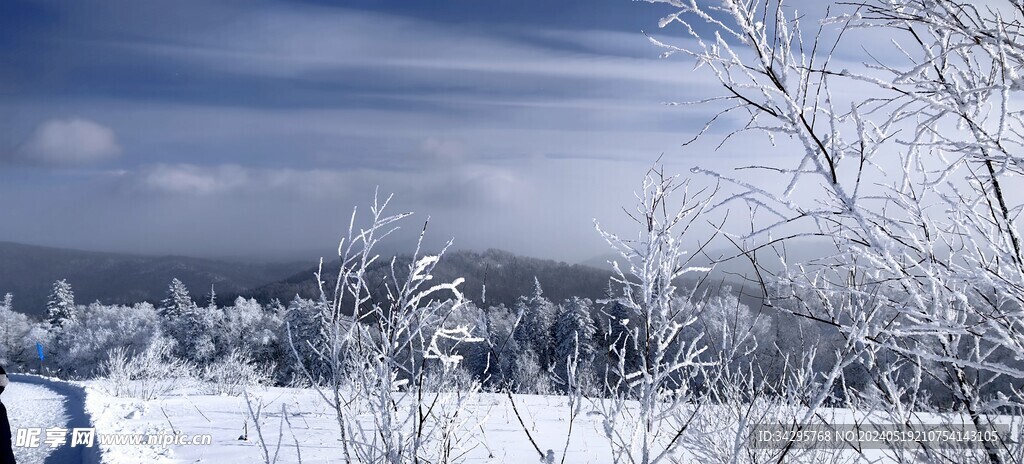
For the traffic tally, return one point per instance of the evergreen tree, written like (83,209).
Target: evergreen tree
(534,329)
(61,307)
(496,364)
(193,329)
(211,300)
(303,319)
(178,301)
(574,338)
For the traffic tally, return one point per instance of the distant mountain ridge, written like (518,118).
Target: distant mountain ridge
(28,271)
(506,275)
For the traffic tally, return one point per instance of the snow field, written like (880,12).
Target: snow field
(498,437)
(290,415)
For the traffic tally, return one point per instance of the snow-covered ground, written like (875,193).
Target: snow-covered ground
(315,428)
(288,415)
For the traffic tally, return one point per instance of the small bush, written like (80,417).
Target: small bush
(152,374)
(231,375)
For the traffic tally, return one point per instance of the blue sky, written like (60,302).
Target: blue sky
(251,128)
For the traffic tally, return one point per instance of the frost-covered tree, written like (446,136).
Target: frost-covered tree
(199,331)
(908,176)
(379,353)
(178,302)
(193,329)
(731,329)
(574,340)
(305,319)
(537,318)
(61,306)
(642,420)
(15,329)
(247,327)
(211,298)
(497,365)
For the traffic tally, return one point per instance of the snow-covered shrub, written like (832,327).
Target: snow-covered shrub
(234,373)
(436,378)
(17,345)
(118,372)
(375,352)
(147,375)
(721,423)
(530,377)
(81,345)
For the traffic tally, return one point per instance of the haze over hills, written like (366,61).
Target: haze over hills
(506,275)
(728,260)
(28,271)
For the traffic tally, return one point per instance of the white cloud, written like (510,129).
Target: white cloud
(186,179)
(195,180)
(69,142)
(454,187)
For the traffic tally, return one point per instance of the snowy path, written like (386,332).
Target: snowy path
(36,402)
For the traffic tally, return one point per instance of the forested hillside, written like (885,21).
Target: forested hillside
(29,272)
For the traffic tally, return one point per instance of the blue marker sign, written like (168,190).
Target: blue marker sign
(39,349)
